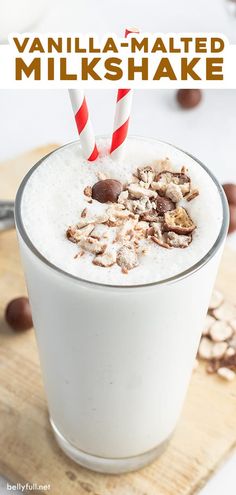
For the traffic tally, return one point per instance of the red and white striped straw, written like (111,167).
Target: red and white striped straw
(83,123)
(122,115)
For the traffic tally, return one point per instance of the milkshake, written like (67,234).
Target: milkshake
(120,260)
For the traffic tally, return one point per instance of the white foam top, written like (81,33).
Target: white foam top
(53,199)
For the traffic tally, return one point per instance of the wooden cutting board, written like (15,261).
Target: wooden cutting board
(205,436)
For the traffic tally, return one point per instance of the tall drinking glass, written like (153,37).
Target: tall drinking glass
(116,360)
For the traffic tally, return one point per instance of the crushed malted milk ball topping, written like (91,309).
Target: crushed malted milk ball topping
(143,211)
(106,259)
(127,258)
(173,191)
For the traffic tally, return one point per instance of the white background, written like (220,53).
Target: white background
(31,118)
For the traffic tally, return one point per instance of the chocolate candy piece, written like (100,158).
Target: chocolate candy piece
(189,98)
(232,217)
(178,241)
(164,205)
(18,314)
(165,178)
(178,221)
(230,191)
(107,190)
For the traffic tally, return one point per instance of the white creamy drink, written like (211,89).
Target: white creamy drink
(120,260)
(55,198)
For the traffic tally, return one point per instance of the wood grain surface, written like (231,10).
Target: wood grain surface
(205,436)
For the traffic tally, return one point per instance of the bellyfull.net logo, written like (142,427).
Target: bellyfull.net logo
(27,487)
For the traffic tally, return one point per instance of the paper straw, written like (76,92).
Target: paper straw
(122,115)
(83,123)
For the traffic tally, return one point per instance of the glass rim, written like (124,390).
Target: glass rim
(173,279)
